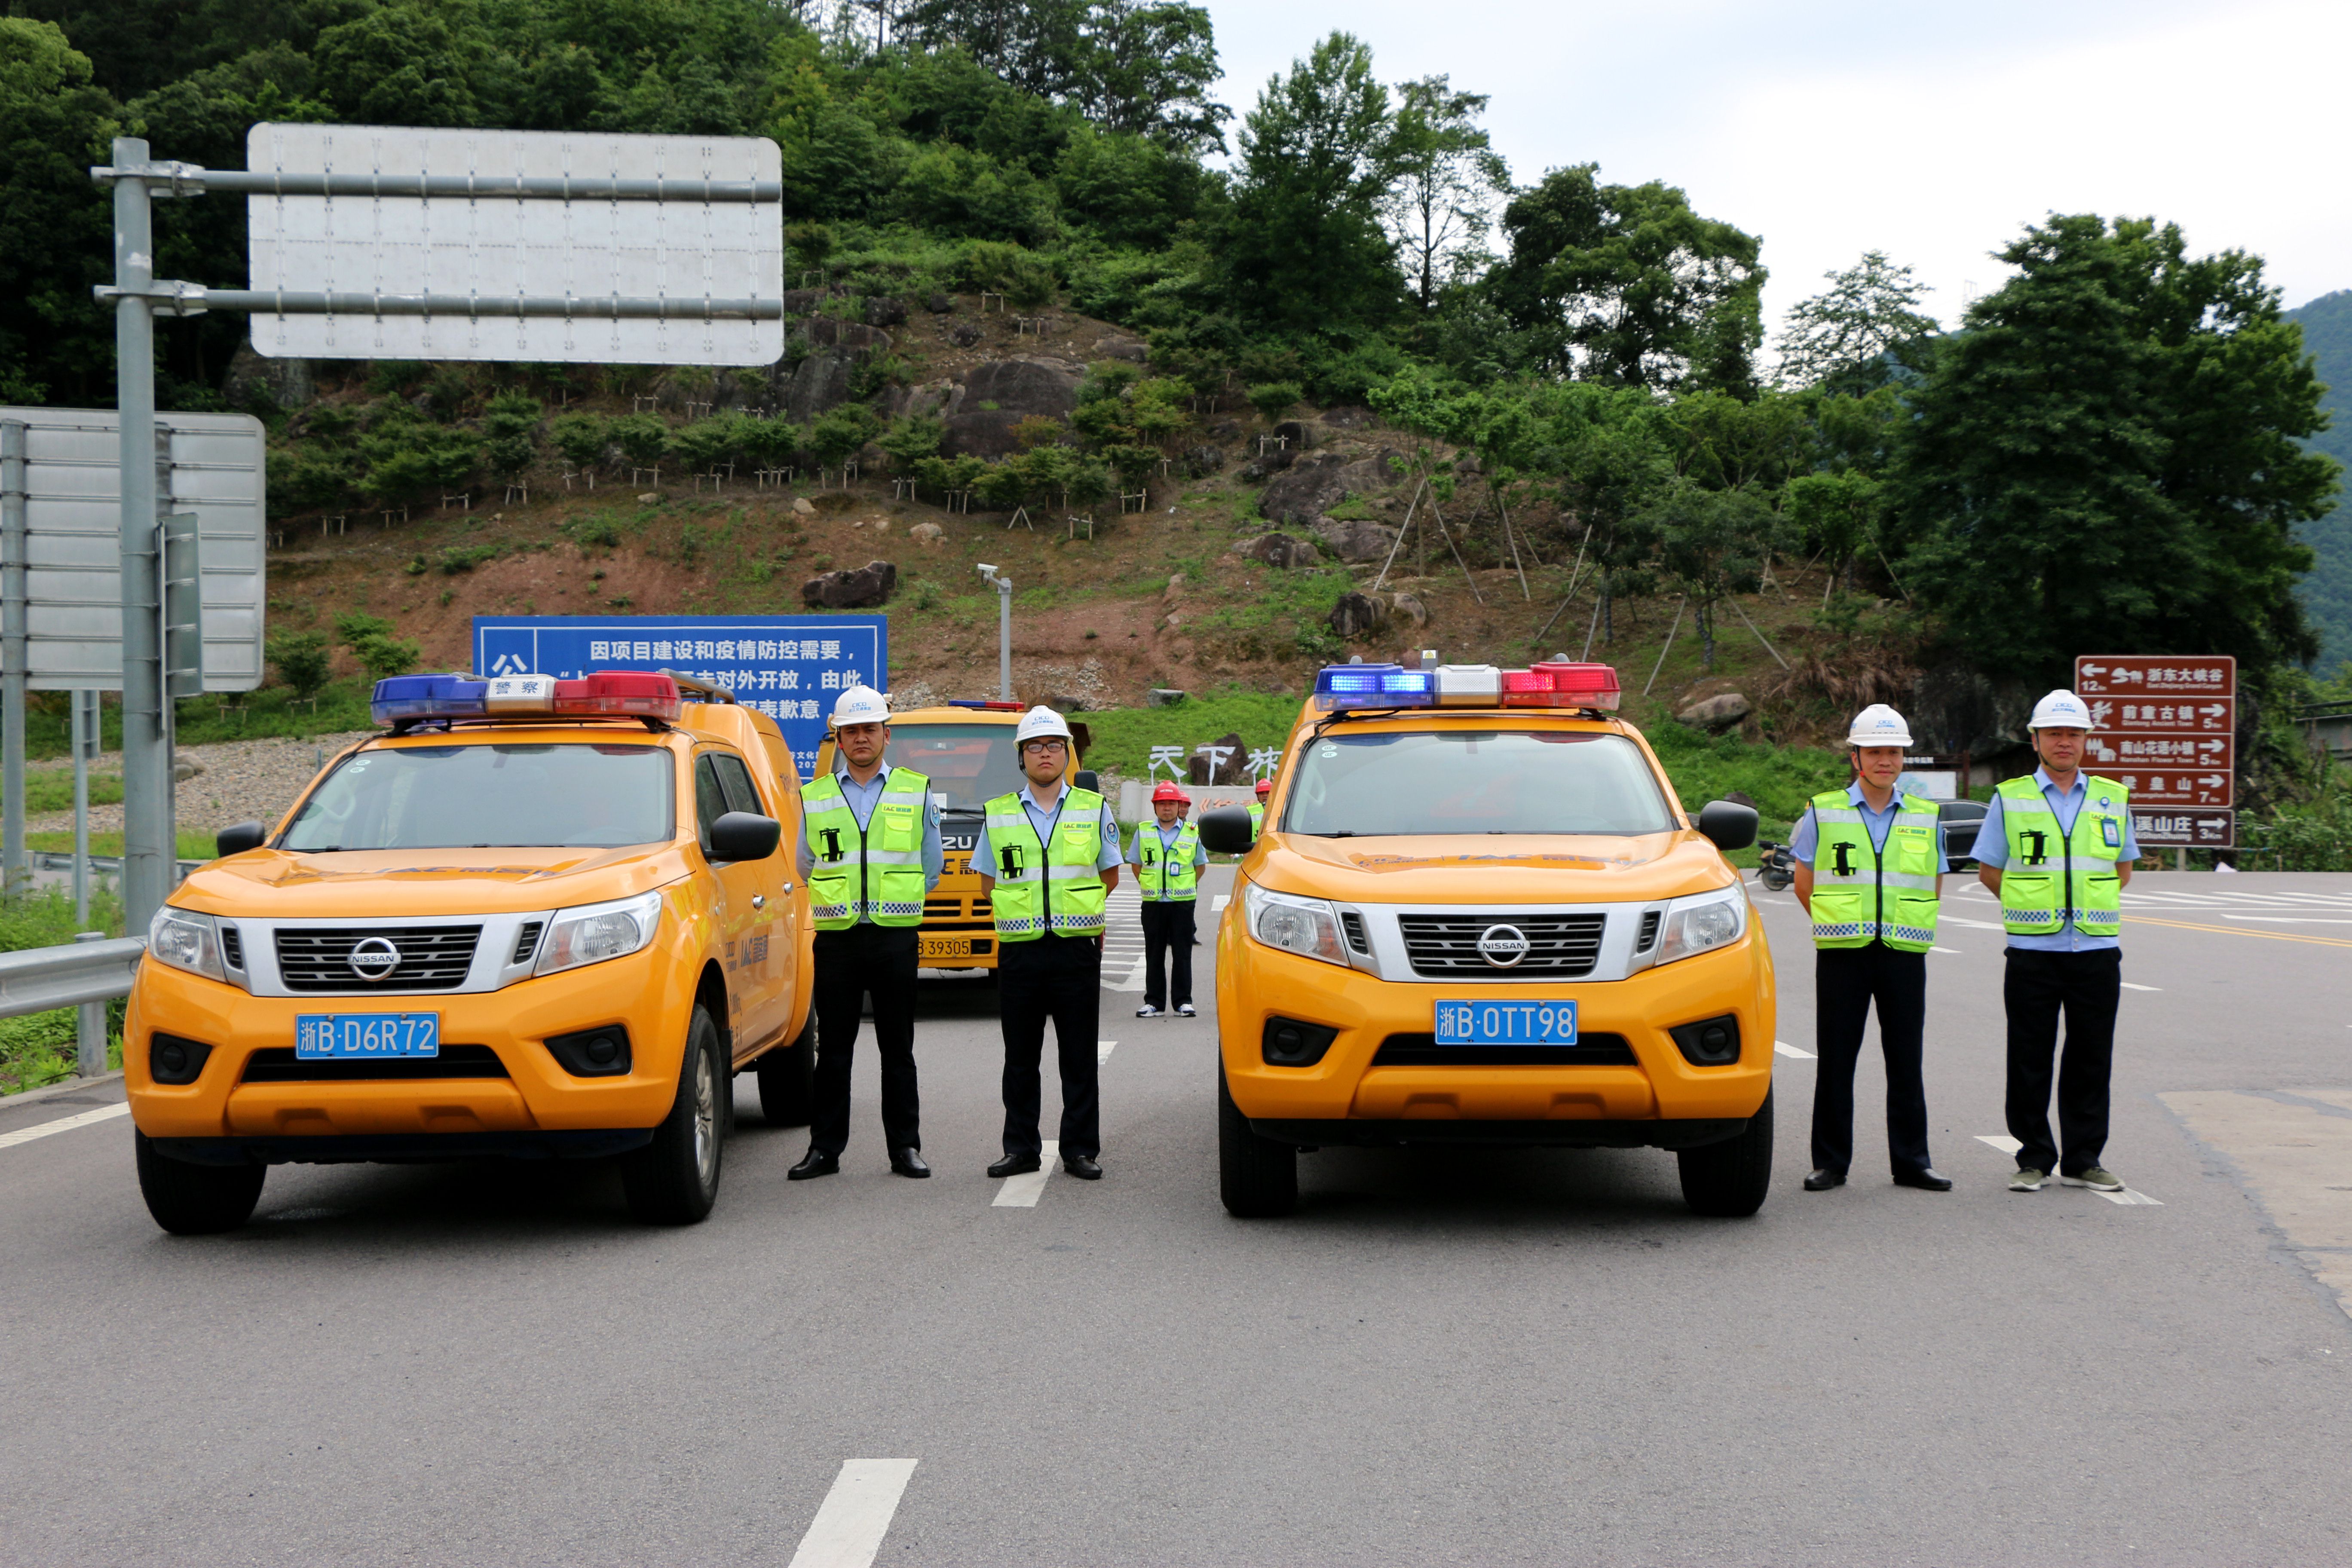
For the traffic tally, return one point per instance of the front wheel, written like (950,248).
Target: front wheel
(1728,1180)
(195,1200)
(1256,1177)
(788,1079)
(674,1180)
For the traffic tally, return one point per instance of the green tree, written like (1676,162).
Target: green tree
(1448,179)
(301,660)
(582,438)
(1147,69)
(1711,545)
(1845,338)
(56,342)
(1625,284)
(2106,459)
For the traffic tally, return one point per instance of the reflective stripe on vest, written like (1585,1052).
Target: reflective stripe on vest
(874,872)
(1864,893)
(2055,878)
(1041,887)
(1166,870)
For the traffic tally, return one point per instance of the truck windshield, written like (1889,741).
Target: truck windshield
(490,796)
(1398,783)
(968,763)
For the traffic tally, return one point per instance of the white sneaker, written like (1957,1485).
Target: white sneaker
(1147,1011)
(1184,1010)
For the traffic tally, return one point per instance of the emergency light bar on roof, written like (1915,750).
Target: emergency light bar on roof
(1556,684)
(407,700)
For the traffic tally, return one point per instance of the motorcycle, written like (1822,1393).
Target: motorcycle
(1775,868)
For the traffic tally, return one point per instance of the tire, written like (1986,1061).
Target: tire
(1256,1177)
(674,1180)
(1778,881)
(1728,1180)
(195,1200)
(788,1079)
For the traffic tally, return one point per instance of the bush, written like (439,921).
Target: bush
(839,434)
(384,656)
(1273,399)
(582,438)
(910,441)
(301,660)
(644,440)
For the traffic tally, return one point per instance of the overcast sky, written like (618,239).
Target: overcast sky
(1932,132)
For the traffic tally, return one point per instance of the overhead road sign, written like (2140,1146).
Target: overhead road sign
(209,468)
(402,243)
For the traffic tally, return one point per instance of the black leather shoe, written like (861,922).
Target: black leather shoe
(1082,1166)
(1014,1165)
(1931,1180)
(816,1163)
(909,1162)
(1823,1180)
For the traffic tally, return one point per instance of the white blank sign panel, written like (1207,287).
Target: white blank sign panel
(481,246)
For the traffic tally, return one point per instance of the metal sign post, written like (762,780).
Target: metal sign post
(15,872)
(2165,727)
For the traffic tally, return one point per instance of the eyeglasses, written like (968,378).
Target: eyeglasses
(1045,745)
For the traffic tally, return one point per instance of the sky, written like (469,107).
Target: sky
(1932,132)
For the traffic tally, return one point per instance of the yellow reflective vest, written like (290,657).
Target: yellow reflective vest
(2053,877)
(1862,894)
(1040,886)
(874,872)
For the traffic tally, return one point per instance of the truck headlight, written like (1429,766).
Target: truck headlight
(591,933)
(1307,927)
(1703,922)
(186,940)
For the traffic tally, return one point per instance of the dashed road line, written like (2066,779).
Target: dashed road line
(1784,1048)
(1102,1051)
(2129,987)
(1022,1192)
(1955,951)
(62,1125)
(855,1514)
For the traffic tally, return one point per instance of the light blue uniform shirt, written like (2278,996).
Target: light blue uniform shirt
(1807,838)
(1166,843)
(1041,822)
(1992,849)
(861,799)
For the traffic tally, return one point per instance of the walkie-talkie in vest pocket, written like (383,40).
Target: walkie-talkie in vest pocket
(832,836)
(1009,860)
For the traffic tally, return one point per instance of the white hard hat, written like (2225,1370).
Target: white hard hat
(2060,710)
(860,705)
(1878,725)
(1039,723)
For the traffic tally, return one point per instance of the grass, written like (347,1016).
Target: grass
(1123,737)
(1779,779)
(38,1047)
(343,705)
(53,791)
(193,846)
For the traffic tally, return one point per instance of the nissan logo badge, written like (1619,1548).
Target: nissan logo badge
(375,958)
(1501,946)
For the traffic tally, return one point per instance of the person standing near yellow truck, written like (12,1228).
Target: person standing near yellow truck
(1167,860)
(869,851)
(1257,809)
(2058,848)
(1870,872)
(1048,857)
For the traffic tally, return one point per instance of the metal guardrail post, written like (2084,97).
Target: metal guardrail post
(90,1024)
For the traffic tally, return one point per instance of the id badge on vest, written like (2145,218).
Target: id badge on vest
(2111,831)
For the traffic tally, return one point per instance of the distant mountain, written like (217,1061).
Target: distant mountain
(2326,324)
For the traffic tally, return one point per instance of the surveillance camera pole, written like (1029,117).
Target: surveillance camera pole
(1003,586)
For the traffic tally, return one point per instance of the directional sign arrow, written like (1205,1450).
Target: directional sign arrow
(2216,710)
(2094,670)
(2213,781)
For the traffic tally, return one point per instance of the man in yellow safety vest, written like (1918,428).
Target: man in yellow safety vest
(1167,859)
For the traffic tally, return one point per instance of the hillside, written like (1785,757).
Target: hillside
(2326,324)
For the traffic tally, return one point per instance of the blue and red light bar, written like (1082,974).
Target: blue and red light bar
(1557,683)
(607,694)
(984,705)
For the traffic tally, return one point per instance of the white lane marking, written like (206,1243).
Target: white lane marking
(2129,1195)
(849,1525)
(1953,951)
(62,1125)
(1786,1049)
(1102,1051)
(1768,898)
(2290,919)
(1979,925)
(1022,1192)
(2005,1144)
(1219,902)
(2129,987)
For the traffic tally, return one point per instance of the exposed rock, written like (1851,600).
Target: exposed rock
(1718,712)
(867,585)
(821,382)
(1163,697)
(963,334)
(926,533)
(648,498)
(1225,430)
(1132,350)
(882,525)
(885,309)
(1175,585)
(1019,389)
(800,301)
(1405,608)
(185,769)
(939,304)
(1467,463)
(832,331)
(1261,469)
(1350,416)
(1359,615)
(800,505)
(1198,770)
(1279,550)
(933,397)
(1200,462)
(1314,485)
(1356,540)
(288,382)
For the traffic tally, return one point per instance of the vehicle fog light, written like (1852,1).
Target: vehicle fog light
(592,1053)
(1710,1042)
(1289,1043)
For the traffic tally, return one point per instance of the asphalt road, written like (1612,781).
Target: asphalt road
(1485,1358)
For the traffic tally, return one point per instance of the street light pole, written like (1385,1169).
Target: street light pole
(148,855)
(1003,586)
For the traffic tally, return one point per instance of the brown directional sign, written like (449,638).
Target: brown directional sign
(2156,675)
(2173,786)
(2184,827)
(2165,725)
(2117,751)
(2173,716)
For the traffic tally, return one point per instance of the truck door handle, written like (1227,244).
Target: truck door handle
(786,888)
(759,900)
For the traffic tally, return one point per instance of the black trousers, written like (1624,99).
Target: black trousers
(879,960)
(1846,981)
(1060,978)
(1166,951)
(2088,987)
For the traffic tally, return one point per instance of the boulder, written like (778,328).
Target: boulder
(885,309)
(286,383)
(1314,485)
(926,533)
(1163,697)
(820,382)
(933,397)
(963,334)
(1350,416)
(1019,389)
(1356,540)
(1225,430)
(800,301)
(1259,469)
(802,507)
(1405,608)
(1200,462)
(1132,350)
(648,498)
(939,304)
(867,585)
(1198,770)
(1279,550)
(1359,615)
(1720,711)
(832,331)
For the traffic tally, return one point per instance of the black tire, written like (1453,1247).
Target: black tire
(195,1200)
(788,1079)
(1256,1177)
(674,1180)
(1728,1180)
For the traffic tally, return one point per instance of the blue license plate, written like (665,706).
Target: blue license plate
(372,1037)
(1506,1023)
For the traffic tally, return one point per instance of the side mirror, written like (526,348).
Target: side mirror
(1727,826)
(1087,778)
(742,836)
(1225,830)
(239,839)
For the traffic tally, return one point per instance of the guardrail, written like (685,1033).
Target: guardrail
(109,865)
(86,973)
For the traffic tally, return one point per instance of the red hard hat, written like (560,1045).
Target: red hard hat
(1266,786)
(1167,791)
